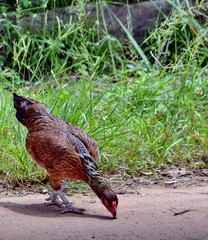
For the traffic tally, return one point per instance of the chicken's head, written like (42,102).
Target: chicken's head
(110,201)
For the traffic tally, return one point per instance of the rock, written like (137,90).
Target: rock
(140,17)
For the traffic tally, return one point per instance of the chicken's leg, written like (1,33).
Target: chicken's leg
(54,199)
(69,207)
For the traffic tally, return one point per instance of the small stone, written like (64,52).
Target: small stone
(44,191)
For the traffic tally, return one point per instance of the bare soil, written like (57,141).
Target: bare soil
(146,212)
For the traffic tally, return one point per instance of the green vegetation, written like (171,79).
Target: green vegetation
(145,105)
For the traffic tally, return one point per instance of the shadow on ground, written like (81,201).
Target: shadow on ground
(41,210)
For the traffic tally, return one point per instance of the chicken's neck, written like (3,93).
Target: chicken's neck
(98,184)
(95,178)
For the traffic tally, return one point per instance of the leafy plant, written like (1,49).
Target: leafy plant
(143,110)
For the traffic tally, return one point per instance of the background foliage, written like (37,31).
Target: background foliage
(145,105)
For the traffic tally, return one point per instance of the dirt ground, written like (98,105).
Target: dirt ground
(144,213)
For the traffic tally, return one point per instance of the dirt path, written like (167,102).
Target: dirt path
(148,214)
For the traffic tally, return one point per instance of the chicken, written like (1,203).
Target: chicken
(65,151)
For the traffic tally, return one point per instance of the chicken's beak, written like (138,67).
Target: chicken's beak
(114,215)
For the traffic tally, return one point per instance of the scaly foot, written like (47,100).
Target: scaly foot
(72,209)
(69,207)
(54,200)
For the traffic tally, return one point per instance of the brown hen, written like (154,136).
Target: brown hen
(64,150)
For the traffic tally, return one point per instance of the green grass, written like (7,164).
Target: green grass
(144,110)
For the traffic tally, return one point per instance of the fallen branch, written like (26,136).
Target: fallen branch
(180,212)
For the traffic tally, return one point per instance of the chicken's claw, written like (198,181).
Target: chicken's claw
(73,210)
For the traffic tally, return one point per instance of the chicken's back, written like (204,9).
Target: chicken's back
(89,143)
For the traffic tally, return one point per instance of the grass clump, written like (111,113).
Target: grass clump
(144,110)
